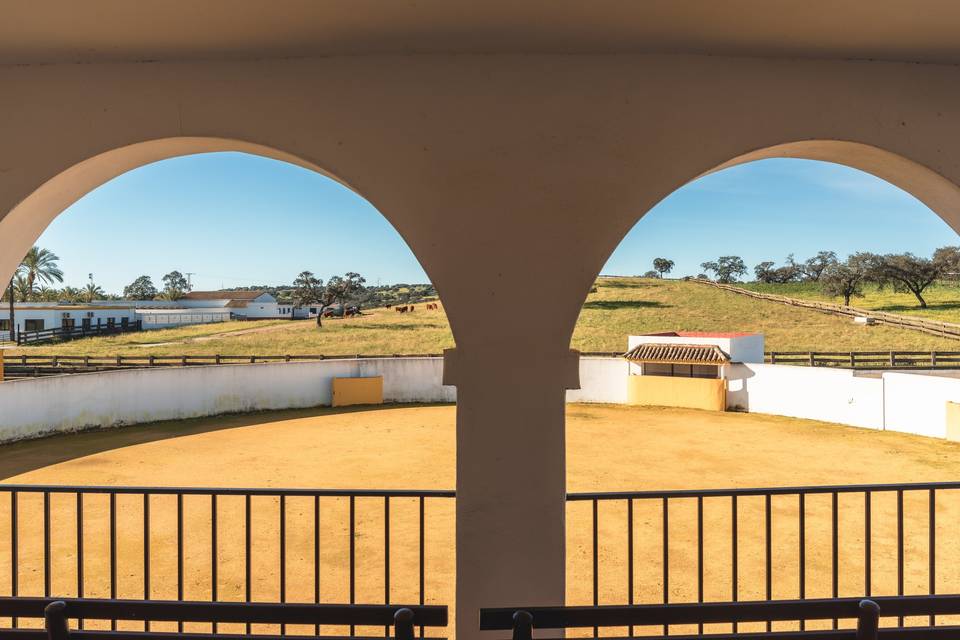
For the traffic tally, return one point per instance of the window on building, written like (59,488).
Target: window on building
(5,324)
(33,325)
(681,370)
(111,322)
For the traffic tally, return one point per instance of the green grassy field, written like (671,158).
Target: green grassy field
(943,300)
(618,308)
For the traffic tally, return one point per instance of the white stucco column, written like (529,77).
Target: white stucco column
(511,478)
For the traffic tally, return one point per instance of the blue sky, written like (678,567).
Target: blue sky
(235,220)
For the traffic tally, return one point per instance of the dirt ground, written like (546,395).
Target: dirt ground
(609,449)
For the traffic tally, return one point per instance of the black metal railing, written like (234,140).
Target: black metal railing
(60,334)
(763,544)
(237,545)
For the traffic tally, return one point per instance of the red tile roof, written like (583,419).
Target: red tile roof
(677,354)
(223,295)
(703,334)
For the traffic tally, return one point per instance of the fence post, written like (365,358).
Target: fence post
(853,359)
(933,358)
(813,362)
(893,359)
(150,360)
(773,357)
(216,359)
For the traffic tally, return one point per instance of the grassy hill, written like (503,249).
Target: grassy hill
(619,307)
(943,300)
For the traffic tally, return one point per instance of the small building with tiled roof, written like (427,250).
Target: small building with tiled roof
(686,369)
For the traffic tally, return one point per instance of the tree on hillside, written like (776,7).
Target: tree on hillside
(763,272)
(726,268)
(768,273)
(307,290)
(140,289)
(662,265)
(845,279)
(905,272)
(948,259)
(175,285)
(648,274)
(814,267)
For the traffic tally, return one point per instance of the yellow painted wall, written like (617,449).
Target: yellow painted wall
(348,391)
(664,391)
(953,421)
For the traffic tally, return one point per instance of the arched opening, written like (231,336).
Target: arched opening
(684,509)
(369,501)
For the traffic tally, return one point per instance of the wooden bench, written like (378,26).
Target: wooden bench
(522,621)
(57,612)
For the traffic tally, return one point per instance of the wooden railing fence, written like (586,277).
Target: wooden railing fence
(933,327)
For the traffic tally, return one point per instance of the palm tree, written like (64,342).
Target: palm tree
(41,265)
(93,292)
(21,288)
(38,264)
(71,294)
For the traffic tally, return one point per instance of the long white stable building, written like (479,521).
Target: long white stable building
(196,307)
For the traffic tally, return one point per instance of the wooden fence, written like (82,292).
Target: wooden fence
(868,359)
(30,366)
(60,334)
(942,329)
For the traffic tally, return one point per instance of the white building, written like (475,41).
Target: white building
(196,307)
(243,304)
(38,316)
(686,368)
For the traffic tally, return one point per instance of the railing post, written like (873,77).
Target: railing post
(868,620)
(403,624)
(893,359)
(55,621)
(813,361)
(853,359)
(933,358)
(522,625)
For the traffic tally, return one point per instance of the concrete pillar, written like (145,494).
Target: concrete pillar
(511,478)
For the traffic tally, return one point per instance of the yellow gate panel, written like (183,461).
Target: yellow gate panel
(666,391)
(953,421)
(349,391)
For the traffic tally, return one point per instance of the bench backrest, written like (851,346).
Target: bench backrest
(56,613)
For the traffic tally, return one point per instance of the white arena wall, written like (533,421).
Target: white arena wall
(35,407)
(906,402)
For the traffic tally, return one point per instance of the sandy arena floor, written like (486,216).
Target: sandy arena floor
(609,449)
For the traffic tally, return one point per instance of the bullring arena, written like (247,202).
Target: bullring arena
(610,449)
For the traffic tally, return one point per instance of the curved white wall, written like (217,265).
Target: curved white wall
(906,402)
(29,408)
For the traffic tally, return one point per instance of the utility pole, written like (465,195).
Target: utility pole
(190,275)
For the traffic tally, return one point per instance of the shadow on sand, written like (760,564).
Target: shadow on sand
(21,457)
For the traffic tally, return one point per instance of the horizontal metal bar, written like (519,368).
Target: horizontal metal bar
(501,619)
(208,491)
(760,491)
(903,633)
(40,634)
(252,612)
